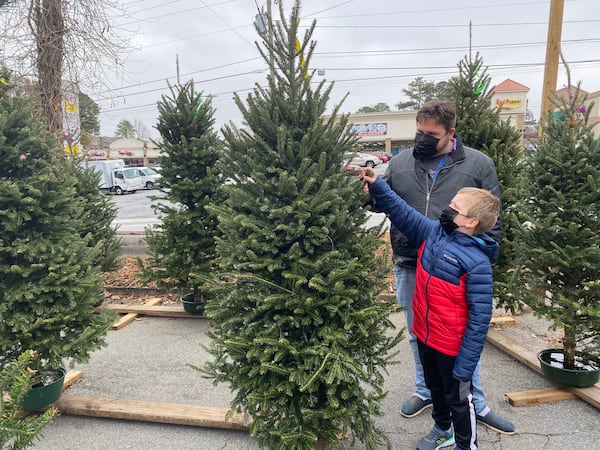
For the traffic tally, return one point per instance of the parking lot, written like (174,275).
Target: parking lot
(135,211)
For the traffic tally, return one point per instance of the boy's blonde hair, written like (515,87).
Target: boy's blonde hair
(484,206)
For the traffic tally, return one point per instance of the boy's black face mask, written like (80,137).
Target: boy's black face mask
(447,219)
(425,146)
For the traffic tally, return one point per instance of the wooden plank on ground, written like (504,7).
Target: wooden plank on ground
(529,358)
(158,310)
(130,317)
(503,320)
(172,413)
(534,397)
(72,377)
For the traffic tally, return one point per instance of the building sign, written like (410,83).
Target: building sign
(369,129)
(509,104)
(70,112)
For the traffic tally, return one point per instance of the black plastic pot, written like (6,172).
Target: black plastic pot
(190,304)
(551,364)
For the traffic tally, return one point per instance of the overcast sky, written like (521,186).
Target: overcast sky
(371,49)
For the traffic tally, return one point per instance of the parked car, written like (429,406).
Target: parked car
(361,159)
(150,177)
(351,168)
(385,157)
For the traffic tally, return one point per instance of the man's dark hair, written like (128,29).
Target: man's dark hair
(440,111)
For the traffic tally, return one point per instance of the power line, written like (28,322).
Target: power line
(184,11)
(462,25)
(317,55)
(372,79)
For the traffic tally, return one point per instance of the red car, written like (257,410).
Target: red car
(351,167)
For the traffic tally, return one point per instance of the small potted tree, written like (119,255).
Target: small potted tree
(182,246)
(557,246)
(48,278)
(18,431)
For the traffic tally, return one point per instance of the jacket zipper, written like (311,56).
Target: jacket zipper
(429,276)
(427,310)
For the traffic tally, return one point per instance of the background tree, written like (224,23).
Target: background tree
(479,126)
(48,278)
(296,331)
(88,116)
(96,222)
(421,91)
(125,129)
(379,107)
(182,246)
(557,248)
(62,40)
(140,130)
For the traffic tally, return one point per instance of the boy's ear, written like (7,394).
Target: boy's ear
(472,223)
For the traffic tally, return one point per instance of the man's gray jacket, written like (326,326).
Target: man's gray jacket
(410,178)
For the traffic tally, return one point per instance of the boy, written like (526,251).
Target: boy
(452,301)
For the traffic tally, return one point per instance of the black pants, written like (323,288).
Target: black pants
(452,399)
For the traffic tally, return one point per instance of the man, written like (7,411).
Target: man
(428,178)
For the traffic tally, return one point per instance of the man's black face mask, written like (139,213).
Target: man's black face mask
(425,146)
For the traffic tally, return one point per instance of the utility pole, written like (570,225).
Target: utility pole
(552,55)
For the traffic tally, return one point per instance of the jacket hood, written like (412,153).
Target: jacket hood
(489,246)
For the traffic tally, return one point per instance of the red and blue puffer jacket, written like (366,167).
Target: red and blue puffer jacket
(453,295)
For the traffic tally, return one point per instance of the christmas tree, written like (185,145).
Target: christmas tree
(48,278)
(557,246)
(18,430)
(182,247)
(296,331)
(99,212)
(479,125)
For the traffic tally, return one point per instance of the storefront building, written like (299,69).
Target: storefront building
(392,131)
(134,152)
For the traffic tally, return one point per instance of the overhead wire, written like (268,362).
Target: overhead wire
(341,54)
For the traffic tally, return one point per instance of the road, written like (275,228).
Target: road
(135,213)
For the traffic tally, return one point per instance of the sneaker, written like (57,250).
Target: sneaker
(414,406)
(436,439)
(497,423)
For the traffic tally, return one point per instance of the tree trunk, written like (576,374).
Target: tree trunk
(47,24)
(569,341)
(320,444)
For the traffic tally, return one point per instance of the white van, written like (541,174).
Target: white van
(115,176)
(150,177)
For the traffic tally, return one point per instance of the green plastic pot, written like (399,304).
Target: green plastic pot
(190,304)
(553,370)
(45,394)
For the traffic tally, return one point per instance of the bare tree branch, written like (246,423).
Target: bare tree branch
(54,41)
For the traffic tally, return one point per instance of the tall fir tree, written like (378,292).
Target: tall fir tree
(182,247)
(557,248)
(296,332)
(479,126)
(48,279)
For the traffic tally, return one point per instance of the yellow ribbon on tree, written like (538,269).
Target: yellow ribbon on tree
(302,62)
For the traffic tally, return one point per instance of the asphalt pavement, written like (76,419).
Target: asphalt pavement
(149,360)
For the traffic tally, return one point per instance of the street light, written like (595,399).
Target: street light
(264,24)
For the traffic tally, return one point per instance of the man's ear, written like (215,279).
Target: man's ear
(451,132)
